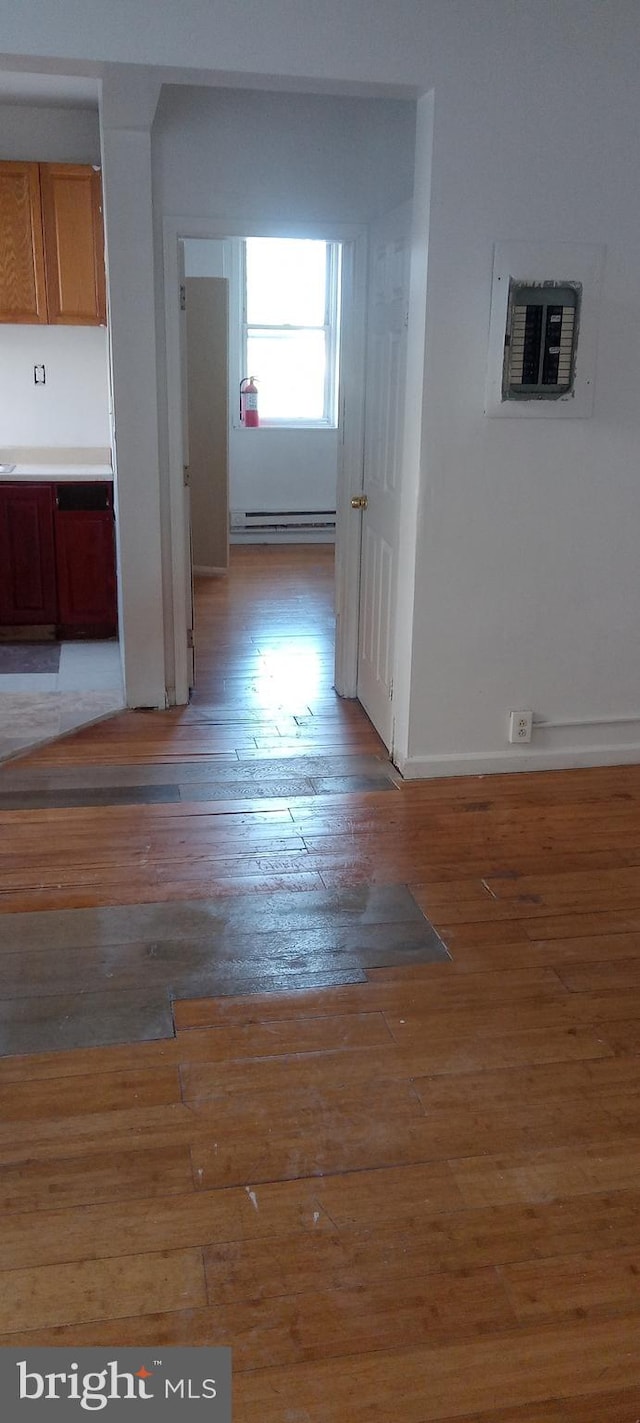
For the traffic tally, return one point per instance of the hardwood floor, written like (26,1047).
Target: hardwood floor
(413,1196)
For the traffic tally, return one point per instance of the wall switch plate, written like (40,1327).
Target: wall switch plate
(520,725)
(39,375)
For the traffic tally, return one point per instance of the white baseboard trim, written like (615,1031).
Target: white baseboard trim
(487,763)
(200,572)
(306,536)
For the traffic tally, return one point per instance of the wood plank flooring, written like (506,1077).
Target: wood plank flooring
(411,1197)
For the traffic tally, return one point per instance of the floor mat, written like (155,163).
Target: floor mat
(29,657)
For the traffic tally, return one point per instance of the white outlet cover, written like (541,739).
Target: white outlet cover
(543,262)
(520,726)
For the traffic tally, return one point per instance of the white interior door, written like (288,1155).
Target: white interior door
(388,313)
(188,552)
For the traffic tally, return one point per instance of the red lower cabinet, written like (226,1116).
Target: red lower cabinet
(27,556)
(85,561)
(57,558)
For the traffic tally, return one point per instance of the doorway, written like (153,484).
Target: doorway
(353,244)
(181,243)
(365,608)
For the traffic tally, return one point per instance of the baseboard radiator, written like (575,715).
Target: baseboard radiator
(283,526)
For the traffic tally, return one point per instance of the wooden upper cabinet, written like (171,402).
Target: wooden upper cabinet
(73,244)
(22,269)
(51,245)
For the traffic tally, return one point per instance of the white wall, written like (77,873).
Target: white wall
(43,134)
(365,41)
(283,469)
(528,574)
(283,158)
(72,408)
(269,469)
(205,258)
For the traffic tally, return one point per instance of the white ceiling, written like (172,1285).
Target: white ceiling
(68,90)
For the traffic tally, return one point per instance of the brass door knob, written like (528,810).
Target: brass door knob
(359,501)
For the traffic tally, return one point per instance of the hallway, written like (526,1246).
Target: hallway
(265,659)
(246,1096)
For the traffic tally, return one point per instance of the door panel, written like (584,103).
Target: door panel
(23,297)
(27,556)
(388,304)
(186,492)
(208,418)
(86,569)
(377,564)
(74,244)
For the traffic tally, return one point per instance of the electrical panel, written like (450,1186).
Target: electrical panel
(543,330)
(540,340)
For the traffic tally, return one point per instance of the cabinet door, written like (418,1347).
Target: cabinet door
(27,556)
(22,272)
(74,244)
(85,559)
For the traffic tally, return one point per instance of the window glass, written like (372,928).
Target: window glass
(286,282)
(291,338)
(289,367)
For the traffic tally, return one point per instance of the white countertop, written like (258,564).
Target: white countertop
(59,474)
(58,462)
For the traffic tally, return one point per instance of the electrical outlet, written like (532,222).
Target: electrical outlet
(39,375)
(520,724)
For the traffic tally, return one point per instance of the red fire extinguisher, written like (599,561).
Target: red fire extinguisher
(249,402)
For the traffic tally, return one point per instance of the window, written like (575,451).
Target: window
(290,346)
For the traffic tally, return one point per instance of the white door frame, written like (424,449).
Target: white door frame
(351,421)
